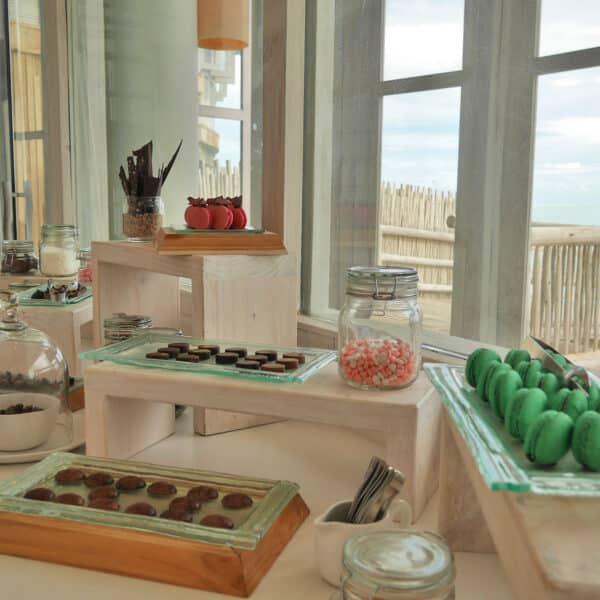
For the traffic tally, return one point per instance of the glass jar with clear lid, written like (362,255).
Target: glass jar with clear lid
(397,565)
(18,257)
(34,384)
(380,328)
(59,250)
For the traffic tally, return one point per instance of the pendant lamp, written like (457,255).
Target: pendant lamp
(223,24)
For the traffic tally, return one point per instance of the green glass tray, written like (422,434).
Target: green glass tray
(500,458)
(270,499)
(133,352)
(25,298)
(186,230)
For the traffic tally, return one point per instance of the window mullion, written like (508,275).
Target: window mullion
(421,83)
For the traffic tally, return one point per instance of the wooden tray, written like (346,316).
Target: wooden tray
(170,241)
(228,561)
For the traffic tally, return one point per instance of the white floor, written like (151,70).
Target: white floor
(327,462)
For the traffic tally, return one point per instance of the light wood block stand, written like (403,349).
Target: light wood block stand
(549,545)
(237,298)
(120,401)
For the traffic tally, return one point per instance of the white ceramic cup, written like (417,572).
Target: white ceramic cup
(331,533)
(28,430)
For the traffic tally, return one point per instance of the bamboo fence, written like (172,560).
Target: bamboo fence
(219,180)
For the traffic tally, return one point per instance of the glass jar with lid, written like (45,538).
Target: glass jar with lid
(142,217)
(59,249)
(397,565)
(121,327)
(380,328)
(34,383)
(18,257)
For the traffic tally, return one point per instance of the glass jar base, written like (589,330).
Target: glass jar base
(383,388)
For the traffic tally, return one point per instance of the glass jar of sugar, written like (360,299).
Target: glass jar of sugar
(380,328)
(59,249)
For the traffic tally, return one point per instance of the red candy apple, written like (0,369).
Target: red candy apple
(197,215)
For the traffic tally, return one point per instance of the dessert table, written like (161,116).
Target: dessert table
(128,408)
(549,545)
(327,462)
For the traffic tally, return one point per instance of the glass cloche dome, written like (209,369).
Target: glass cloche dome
(34,383)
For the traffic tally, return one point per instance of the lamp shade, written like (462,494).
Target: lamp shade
(223,24)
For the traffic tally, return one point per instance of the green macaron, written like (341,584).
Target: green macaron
(492,377)
(586,440)
(507,384)
(477,364)
(549,383)
(522,409)
(521,369)
(534,374)
(593,397)
(560,359)
(548,438)
(572,402)
(483,375)
(515,356)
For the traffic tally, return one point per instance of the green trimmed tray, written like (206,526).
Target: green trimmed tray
(500,458)
(25,298)
(133,352)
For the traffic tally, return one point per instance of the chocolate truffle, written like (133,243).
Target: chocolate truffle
(141,508)
(186,504)
(43,494)
(98,479)
(74,499)
(237,501)
(177,515)
(204,493)
(220,521)
(130,483)
(161,488)
(106,491)
(69,476)
(105,504)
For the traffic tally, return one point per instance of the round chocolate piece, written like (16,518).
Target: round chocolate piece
(210,347)
(270,354)
(237,501)
(204,493)
(220,521)
(185,504)
(183,346)
(141,508)
(201,353)
(241,352)
(106,491)
(43,494)
(170,350)
(161,488)
(98,479)
(273,368)
(158,355)
(69,476)
(177,515)
(297,355)
(226,358)
(260,358)
(190,358)
(289,363)
(248,364)
(130,483)
(70,498)
(105,504)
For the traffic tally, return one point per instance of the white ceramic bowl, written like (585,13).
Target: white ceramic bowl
(28,430)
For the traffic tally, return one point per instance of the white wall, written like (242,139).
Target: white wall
(151,66)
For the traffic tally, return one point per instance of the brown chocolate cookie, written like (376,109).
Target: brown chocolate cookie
(190,358)
(105,504)
(204,493)
(226,358)
(185,503)
(98,479)
(106,491)
(161,489)
(74,499)
(43,494)
(241,352)
(220,521)
(141,508)
(297,355)
(177,515)
(183,346)
(69,476)
(248,364)
(172,352)
(289,363)
(158,355)
(210,347)
(201,353)
(130,483)
(259,358)
(270,354)
(237,501)
(273,368)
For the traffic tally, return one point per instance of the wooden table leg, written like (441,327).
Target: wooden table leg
(460,519)
(122,427)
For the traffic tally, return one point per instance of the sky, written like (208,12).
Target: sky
(420,130)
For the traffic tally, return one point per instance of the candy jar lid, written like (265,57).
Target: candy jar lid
(34,383)
(398,564)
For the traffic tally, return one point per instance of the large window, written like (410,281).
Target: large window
(460,137)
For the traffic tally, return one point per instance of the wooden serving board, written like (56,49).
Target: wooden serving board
(211,567)
(229,561)
(172,242)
